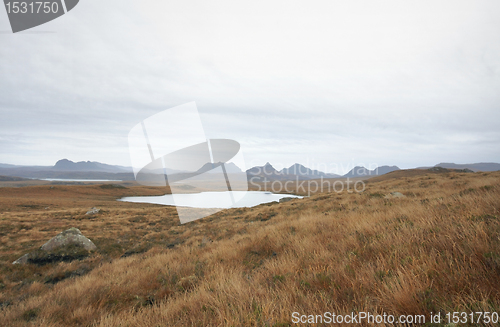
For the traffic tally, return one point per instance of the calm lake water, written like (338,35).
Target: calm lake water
(223,200)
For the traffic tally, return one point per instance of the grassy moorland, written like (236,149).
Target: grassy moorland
(435,250)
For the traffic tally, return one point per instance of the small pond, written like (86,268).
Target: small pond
(221,200)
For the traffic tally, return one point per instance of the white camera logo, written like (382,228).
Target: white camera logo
(170,149)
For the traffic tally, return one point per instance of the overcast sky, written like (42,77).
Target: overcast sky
(334,83)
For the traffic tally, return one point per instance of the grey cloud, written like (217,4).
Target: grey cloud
(411,87)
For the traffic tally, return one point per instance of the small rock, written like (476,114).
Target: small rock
(282,200)
(93,211)
(393,195)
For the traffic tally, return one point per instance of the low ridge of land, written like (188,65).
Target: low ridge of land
(412,244)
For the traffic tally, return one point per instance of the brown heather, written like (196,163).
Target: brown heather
(435,250)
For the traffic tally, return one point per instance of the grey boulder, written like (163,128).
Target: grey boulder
(93,211)
(393,195)
(66,246)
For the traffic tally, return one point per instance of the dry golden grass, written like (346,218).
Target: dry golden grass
(435,250)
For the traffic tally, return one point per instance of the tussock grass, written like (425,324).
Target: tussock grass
(435,250)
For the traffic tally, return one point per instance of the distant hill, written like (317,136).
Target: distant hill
(417,172)
(481,166)
(67,169)
(265,172)
(296,171)
(11,179)
(201,174)
(302,171)
(359,171)
(7,166)
(68,165)
(230,167)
